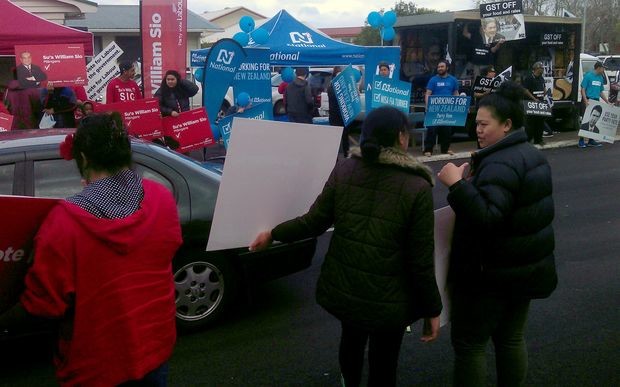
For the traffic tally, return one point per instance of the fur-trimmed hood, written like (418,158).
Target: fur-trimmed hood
(401,159)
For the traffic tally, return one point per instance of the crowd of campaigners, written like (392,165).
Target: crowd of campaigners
(378,275)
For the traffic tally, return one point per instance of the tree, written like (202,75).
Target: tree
(371,37)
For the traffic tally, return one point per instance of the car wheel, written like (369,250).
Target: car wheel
(279,109)
(203,290)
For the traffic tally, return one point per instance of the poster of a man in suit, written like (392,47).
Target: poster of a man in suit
(29,75)
(600,122)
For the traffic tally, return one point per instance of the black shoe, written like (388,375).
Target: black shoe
(540,143)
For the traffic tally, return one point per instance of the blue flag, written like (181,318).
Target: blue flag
(222,63)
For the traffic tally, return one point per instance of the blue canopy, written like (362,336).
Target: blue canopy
(292,43)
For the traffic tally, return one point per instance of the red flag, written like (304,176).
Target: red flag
(164,40)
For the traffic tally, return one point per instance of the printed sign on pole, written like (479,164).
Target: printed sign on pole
(600,122)
(486,85)
(164,40)
(101,70)
(345,89)
(58,64)
(449,110)
(537,108)
(502,20)
(254,77)
(6,122)
(262,111)
(392,92)
(191,129)
(142,117)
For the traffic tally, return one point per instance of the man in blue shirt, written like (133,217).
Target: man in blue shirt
(440,84)
(592,87)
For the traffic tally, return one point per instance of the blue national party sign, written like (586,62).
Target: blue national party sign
(222,63)
(345,89)
(258,112)
(254,77)
(392,92)
(448,110)
(374,56)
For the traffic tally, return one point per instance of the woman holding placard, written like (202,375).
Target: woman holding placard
(174,94)
(503,243)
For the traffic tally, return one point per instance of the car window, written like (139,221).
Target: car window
(612,64)
(56,178)
(151,174)
(276,80)
(7,172)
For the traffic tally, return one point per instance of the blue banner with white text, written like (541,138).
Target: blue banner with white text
(254,77)
(374,57)
(220,68)
(447,110)
(261,111)
(345,89)
(392,92)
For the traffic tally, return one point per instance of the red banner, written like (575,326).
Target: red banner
(58,64)
(164,40)
(6,120)
(190,129)
(142,117)
(23,215)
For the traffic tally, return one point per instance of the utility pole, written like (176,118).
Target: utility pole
(583,27)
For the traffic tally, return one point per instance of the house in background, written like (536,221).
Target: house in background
(228,20)
(121,23)
(343,34)
(58,11)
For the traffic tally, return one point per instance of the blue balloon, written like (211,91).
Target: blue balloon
(243,99)
(389,18)
(374,19)
(199,74)
(242,38)
(260,36)
(388,33)
(246,23)
(288,74)
(357,74)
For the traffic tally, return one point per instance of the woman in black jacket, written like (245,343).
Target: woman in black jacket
(502,248)
(378,275)
(174,94)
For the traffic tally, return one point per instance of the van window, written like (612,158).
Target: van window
(6,179)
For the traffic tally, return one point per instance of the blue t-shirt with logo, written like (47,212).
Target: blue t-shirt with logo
(593,84)
(443,85)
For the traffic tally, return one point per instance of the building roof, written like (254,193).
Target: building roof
(214,15)
(126,18)
(339,32)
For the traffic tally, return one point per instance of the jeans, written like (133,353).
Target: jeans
(441,133)
(383,350)
(475,320)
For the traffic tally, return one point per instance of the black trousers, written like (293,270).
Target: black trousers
(383,350)
(534,128)
(441,134)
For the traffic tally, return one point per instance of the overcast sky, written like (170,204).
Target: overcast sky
(317,13)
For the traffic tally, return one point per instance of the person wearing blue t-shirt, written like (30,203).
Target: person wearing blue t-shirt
(440,84)
(592,87)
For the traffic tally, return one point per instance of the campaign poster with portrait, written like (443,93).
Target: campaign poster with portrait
(57,64)
(502,20)
(6,122)
(600,122)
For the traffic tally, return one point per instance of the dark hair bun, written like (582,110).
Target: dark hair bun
(511,90)
(370,148)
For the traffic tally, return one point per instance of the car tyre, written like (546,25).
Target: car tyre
(204,289)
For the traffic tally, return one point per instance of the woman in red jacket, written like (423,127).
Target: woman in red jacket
(102,267)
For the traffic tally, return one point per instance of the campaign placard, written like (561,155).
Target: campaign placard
(60,64)
(142,117)
(552,39)
(449,110)
(345,90)
(485,85)
(191,129)
(503,20)
(254,77)
(392,92)
(374,57)
(6,122)
(537,108)
(26,215)
(600,122)
(102,69)
(258,112)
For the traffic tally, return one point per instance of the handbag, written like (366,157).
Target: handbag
(47,121)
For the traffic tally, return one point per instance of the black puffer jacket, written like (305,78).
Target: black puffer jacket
(178,98)
(299,97)
(378,271)
(503,237)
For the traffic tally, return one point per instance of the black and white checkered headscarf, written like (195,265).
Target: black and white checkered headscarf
(113,197)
